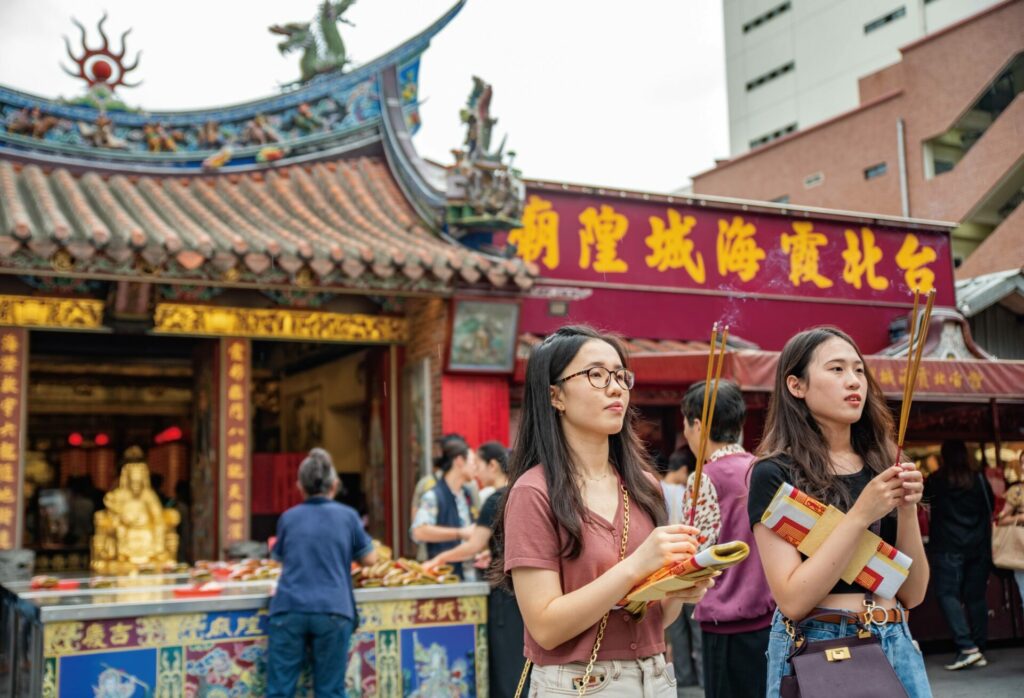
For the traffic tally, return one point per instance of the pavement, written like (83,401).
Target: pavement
(1002,678)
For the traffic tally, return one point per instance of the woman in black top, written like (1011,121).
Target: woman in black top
(504,621)
(829,433)
(960,550)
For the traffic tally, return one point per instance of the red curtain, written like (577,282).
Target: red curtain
(476,407)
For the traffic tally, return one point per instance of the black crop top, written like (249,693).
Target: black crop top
(765,481)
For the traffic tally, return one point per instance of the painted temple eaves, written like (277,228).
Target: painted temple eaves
(331,114)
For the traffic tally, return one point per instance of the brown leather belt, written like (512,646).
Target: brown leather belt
(876,616)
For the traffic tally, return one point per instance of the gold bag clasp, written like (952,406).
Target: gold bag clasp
(838,654)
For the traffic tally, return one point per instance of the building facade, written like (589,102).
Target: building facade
(935,136)
(791,64)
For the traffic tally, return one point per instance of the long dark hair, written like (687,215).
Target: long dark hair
(956,468)
(541,441)
(792,434)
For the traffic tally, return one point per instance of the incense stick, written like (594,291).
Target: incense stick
(708,411)
(907,383)
(707,379)
(908,398)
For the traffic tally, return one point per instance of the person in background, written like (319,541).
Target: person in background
(960,550)
(504,622)
(492,473)
(446,513)
(1012,513)
(683,635)
(736,615)
(680,465)
(429,481)
(314,604)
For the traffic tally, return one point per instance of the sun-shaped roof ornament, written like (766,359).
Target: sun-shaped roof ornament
(101,67)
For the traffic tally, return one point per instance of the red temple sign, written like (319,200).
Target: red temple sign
(659,267)
(603,239)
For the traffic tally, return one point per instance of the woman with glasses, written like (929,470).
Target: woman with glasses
(580,525)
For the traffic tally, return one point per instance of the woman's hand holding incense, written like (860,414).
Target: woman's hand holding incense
(913,485)
(665,545)
(883,494)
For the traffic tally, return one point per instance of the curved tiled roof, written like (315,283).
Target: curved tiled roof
(345,222)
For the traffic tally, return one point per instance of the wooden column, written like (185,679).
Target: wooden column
(13,394)
(235,460)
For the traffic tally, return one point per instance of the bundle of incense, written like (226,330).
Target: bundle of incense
(707,412)
(805,523)
(684,574)
(913,364)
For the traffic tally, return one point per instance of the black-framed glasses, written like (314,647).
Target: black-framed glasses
(600,377)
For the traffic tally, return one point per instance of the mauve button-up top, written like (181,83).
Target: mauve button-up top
(533,538)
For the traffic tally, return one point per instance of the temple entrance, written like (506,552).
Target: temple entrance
(90,398)
(308,395)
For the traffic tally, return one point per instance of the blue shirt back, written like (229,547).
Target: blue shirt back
(316,543)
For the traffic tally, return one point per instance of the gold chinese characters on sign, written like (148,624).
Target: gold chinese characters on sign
(628,241)
(180,318)
(134,531)
(12,384)
(66,313)
(236,362)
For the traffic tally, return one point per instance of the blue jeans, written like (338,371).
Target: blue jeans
(899,647)
(328,634)
(960,578)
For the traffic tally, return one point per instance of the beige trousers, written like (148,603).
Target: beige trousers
(649,677)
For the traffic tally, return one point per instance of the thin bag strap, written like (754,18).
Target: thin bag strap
(604,619)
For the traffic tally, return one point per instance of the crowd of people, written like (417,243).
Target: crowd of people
(570,520)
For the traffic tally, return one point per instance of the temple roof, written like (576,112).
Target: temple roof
(343,223)
(333,113)
(316,187)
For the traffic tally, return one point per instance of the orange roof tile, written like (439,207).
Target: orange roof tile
(346,221)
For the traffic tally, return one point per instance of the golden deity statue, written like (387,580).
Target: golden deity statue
(134,531)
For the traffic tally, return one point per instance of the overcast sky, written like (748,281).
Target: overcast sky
(622,94)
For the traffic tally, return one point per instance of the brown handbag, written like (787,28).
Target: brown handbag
(846,667)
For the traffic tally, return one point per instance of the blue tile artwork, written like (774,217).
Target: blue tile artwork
(438,662)
(125,674)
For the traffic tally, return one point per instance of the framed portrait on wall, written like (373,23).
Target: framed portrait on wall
(483,336)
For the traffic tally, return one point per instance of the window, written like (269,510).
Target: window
(784,199)
(778,72)
(875,171)
(882,21)
(768,137)
(814,180)
(766,17)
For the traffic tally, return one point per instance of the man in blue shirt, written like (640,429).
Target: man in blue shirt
(316,544)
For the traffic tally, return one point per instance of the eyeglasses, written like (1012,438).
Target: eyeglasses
(600,377)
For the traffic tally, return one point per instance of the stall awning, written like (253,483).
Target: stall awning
(670,364)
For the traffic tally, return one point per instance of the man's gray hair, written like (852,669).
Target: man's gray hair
(316,473)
